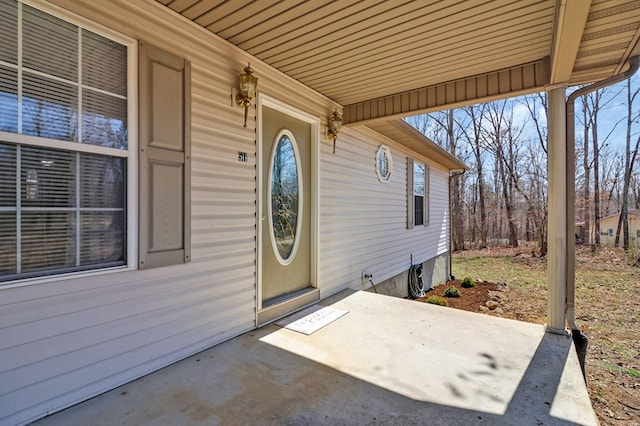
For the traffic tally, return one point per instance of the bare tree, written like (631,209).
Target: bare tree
(473,137)
(605,179)
(536,165)
(501,135)
(629,162)
(591,104)
(586,165)
(536,103)
(441,128)
(504,195)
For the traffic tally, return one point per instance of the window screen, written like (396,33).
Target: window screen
(61,210)
(418,193)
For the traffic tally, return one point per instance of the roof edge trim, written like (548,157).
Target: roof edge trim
(521,79)
(408,136)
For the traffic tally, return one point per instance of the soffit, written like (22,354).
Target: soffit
(609,38)
(361,53)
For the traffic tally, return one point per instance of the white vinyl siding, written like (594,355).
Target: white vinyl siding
(65,340)
(363,222)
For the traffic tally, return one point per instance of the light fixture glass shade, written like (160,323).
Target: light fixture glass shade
(334,126)
(247,84)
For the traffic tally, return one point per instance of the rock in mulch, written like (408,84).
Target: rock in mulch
(492,304)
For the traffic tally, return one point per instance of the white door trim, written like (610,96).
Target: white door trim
(314,121)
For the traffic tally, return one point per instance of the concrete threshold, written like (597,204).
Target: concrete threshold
(388,361)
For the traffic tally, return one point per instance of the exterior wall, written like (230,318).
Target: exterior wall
(64,340)
(611,223)
(435,271)
(352,239)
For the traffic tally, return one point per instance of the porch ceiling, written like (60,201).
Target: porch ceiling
(390,58)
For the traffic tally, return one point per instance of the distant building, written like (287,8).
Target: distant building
(609,227)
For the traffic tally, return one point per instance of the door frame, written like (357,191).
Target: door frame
(314,122)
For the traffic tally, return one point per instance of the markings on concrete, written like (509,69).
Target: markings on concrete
(311,319)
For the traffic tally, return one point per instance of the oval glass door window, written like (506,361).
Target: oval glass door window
(285,193)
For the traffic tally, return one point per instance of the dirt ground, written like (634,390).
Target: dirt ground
(511,283)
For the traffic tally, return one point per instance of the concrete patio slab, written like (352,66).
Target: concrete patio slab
(388,361)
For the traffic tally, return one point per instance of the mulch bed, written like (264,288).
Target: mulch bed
(471,298)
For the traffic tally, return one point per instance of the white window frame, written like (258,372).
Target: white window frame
(296,240)
(411,211)
(416,165)
(386,152)
(131,154)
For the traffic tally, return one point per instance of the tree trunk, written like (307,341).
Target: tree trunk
(629,162)
(483,209)
(457,211)
(587,177)
(596,178)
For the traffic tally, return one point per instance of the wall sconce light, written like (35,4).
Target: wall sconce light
(335,124)
(247,83)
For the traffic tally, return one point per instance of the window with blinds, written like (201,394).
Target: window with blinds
(418,193)
(63,146)
(419,204)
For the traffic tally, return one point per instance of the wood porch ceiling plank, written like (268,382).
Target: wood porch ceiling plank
(276,16)
(219,8)
(294,24)
(602,8)
(614,50)
(180,5)
(457,45)
(341,32)
(632,50)
(351,37)
(617,38)
(349,61)
(348,88)
(401,44)
(233,13)
(322,17)
(610,24)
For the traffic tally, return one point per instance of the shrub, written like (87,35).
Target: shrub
(451,292)
(437,300)
(468,283)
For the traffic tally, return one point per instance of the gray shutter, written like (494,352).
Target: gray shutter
(425,207)
(410,199)
(165,158)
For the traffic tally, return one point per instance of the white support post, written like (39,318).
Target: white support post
(557,223)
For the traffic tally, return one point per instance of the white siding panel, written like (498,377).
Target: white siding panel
(363,221)
(65,340)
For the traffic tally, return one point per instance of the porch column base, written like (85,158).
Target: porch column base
(560,331)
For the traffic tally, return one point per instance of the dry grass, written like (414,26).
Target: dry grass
(607,308)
